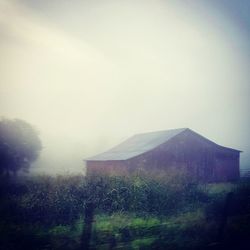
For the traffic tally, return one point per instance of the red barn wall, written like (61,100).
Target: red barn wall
(107,167)
(202,159)
(227,167)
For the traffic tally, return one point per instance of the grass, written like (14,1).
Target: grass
(218,188)
(142,232)
(191,223)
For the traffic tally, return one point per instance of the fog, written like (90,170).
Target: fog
(89,74)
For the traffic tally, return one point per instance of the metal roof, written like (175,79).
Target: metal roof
(137,145)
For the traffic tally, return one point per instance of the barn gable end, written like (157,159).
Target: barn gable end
(179,148)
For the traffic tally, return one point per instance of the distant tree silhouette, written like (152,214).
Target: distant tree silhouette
(20,145)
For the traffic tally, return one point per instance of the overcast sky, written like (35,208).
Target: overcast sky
(89,74)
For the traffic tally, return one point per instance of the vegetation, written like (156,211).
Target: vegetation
(137,212)
(19,146)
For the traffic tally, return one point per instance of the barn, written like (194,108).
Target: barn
(175,148)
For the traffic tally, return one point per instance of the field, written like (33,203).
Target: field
(138,212)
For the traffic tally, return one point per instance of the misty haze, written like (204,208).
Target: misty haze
(124,117)
(88,75)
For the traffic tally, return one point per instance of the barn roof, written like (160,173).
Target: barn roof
(137,145)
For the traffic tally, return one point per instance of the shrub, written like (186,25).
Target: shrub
(62,199)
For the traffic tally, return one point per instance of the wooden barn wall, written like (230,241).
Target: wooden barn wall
(202,159)
(183,152)
(107,167)
(227,166)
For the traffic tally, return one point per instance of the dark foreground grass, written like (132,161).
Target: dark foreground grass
(129,231)
(48,213)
